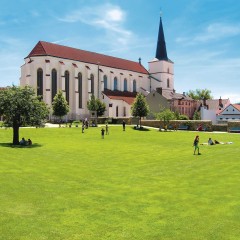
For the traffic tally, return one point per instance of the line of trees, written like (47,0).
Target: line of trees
(20,107)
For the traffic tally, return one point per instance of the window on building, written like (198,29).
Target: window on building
(168,83)
(54,83)
(124,111)
(79,90)
(92,83)
(105,82)
(125,85)
(67,85)
(115,85)
(134,86)
(116,111)
(40,82)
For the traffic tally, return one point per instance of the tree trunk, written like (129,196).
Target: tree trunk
(140,122)
(15,135)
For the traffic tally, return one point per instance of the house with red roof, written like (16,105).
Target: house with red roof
(79,74)
(212,107)
(229,113)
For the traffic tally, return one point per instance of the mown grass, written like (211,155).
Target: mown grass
(130,185)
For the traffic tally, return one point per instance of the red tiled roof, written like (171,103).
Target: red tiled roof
(237,106)
(55,50)
(127,97)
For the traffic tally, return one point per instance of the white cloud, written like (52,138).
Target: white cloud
(34,13)
(214,31)
(108,17)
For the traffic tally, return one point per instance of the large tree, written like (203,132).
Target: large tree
(60,106)
(20,106)
(140,107)
(200,94)
(96,106)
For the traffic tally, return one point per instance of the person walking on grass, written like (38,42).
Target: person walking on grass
(107,132)
(195,144)
(123,124)
(102,133)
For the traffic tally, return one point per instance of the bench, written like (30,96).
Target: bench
(234,129)
(183,127)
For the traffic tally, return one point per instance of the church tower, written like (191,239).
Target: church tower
(161,68)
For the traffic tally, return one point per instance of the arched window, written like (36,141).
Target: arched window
(40,82)
(124,111)
(79,90)
(115,86)
(105,81)
(54,83)
(125,87)
(92,83)
(67,85)
(134,86)
(116,111)
(168,83)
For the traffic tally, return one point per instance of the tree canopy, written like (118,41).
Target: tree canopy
(20,106)
(140,107)
(200,94)
(95,105)
(60,105)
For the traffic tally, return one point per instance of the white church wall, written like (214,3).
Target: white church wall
(208,115)
(162,71)
(63,65)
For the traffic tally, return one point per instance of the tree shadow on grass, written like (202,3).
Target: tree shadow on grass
(140,128)
(10,145)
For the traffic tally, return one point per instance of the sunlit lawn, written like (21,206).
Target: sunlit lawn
(131,185)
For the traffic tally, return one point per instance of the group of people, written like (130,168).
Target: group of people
(103,131)
(107,129)
(24,142)
(210,142)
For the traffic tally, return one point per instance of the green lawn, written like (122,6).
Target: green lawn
(144,185)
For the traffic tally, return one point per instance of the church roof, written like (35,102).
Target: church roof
(127,97)
(161,52)
(50,49)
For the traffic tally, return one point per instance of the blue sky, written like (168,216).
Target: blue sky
(202,36)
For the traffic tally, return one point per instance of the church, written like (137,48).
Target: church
(50,67)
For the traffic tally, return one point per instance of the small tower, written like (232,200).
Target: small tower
(161,67)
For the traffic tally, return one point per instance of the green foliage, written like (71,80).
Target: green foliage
(182,117)
(20,106)
(140,107)
(131,185)
(166,115)
(95,105)
(200,94)
(60,105)
(196,115)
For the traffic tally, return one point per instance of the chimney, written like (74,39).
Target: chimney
(159,90)
(220,103)
(184,94)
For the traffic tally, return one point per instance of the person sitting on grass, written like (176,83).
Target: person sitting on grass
(210,141)
(29,142)
(22,142)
